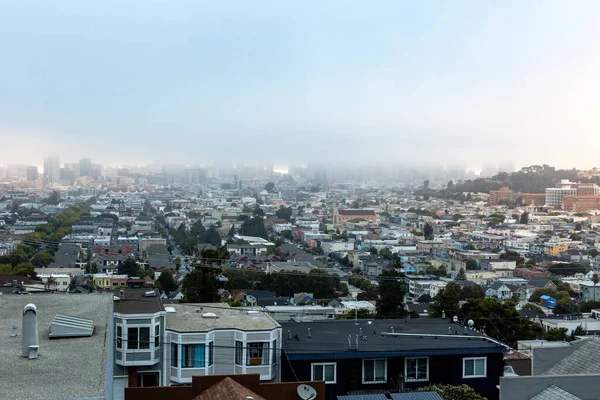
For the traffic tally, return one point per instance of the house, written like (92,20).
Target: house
(567,372)
(342,216)
(303,299)
(226,387)
(375,355)
(542,283)
(67,368)
(162,346)
(499,291)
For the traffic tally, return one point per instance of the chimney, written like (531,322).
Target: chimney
(309,334)
(357,342)
(392,329)
(31,342)
(289,334)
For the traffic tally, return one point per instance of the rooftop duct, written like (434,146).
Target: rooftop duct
(31,340)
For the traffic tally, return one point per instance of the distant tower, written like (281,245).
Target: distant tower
(85,167)
(32,174)
(52,169)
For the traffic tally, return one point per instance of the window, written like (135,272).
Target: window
(119,337)
(156,335)
(375,371)
(416,369)
(138,338)
(239,352)
(211,355)
(323,372)
(174,354)
(192,356)
(474,367)
(257,353)
(274,352)
(146,380)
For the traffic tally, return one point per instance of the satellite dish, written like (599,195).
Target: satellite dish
(471,323)
(306,392)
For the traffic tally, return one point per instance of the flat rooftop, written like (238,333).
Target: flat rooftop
(189,318)
(423,335)
(66,368)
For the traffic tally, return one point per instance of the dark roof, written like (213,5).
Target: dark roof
(135,302)
(356,212)
(416,396)
(538,281)
(331,337)
(378,396)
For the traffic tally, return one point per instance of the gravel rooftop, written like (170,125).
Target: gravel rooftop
(66,368)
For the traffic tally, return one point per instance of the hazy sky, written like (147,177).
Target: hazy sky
(274,81)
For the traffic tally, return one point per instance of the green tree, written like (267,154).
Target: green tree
(373,250)
(201,285)
(535,297)
(166,282)
(472,292)
(446,301)
(391,294)
(449,392)
(556,334)
(566,307)
(94,268)
(254,227)
(595,280)
(284,213)
(593,253)
(461,276)
(212,236)
(471,264)
(231,231)
(177,263)
(588,306)
(567,269)
(270,187)
(524,219)
(428,232)
(41,260)
(128,267)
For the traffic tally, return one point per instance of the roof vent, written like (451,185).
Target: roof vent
(150,293)
(31,340)
(209,315)
(64,326)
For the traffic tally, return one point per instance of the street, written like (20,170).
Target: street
(302,255)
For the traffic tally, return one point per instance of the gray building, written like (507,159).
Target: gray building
(52,169)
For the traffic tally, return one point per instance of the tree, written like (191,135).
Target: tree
(535,297)
(471,264)
(472,292)
(446,301)
(566,307)
(461,276)
(284,213)
(424,298)
(428,232)
(94,268)
(556,335)
(499,320)
(177,263)
(231,232)
(524,218)
(166,282)
(254,227)
(373,250)
(201,285)
(391,294)
(212,236)
(449,392)
(128,267)
(269,187)
(593,253)
(257,211)
(570,269)
(595,280)
(588,306)
(41,259)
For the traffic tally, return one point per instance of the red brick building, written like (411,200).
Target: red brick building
(342,216)
(581,203)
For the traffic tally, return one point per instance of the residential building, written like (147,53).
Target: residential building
(499,291)
(161,346)
(383,355)
(342,216)
(57,282)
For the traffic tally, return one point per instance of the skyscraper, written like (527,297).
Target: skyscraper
(52,169)
(32,174)
(85,167)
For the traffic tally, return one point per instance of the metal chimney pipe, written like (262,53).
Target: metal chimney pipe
(349,342)
(357,342)
(289,334)
(31,341)
(309,335)
(392,329)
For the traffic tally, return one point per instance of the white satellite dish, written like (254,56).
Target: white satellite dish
(306,392)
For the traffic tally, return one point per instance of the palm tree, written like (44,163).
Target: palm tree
(595,279)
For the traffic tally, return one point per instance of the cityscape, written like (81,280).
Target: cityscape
(278,200)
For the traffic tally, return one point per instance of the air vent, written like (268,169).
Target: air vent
(64,326)
(209,315)
(150,293)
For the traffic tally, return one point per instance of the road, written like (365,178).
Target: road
(302,255)
(185,267)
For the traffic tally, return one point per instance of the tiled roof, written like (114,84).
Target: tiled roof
(583,360)
(554,393)
(228,389)
(363,397)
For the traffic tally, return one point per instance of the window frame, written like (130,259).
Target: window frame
(137,337)
(322,378)
(174,355)
(474,360)
(190,349)
(211,353)
(256,353)
(374,381)
(274,352)
(157,336)
(119,333)
(239,353)
(416,378)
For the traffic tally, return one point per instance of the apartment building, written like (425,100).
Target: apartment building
(342,216)
(158,345)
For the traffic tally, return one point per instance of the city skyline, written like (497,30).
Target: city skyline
(203,83)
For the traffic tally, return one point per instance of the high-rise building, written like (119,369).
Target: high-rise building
(85,167)
(76,168)
(52,169)
(32,174)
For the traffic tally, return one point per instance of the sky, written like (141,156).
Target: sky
(264,81)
